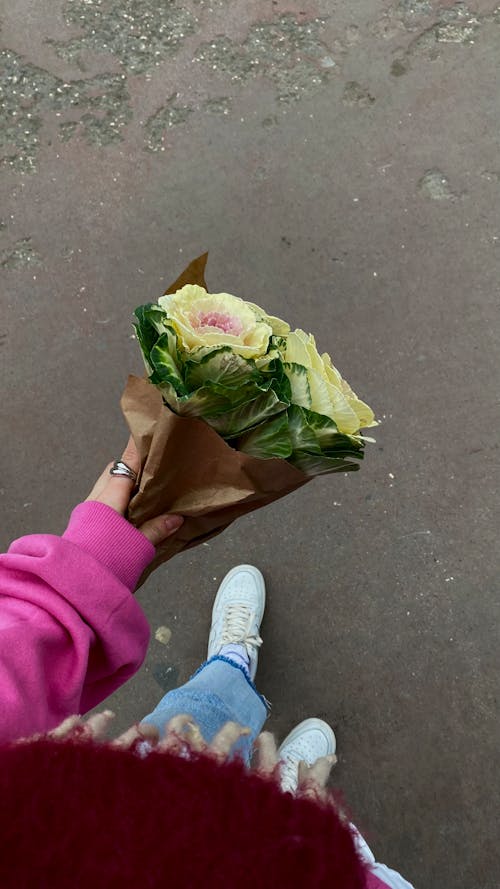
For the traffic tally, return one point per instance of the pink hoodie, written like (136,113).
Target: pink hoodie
(71,631)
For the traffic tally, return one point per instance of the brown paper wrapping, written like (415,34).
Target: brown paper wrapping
(188,469)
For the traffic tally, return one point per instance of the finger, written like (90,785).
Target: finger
(320,770)
(142,732)
(131,456)
(115,490)
(97,725)
(194,737)
(118,489)
(100,484)
(182,733)
(157,530)
(178,735)
(67,727)
(227,737)
(266,754)
(313,778)
(71,725)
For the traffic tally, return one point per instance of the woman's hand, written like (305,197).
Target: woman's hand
(115,491)
(182,737)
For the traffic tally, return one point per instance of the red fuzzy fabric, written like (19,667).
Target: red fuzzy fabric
(76,814)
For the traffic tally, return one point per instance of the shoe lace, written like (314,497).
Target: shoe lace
(289,774)
(238,620)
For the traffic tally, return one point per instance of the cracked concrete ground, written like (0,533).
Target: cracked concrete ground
(341,164)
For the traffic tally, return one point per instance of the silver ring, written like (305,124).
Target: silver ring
(121,468)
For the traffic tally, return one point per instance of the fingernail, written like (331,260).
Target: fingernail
(173,522)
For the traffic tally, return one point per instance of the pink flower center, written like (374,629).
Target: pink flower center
(226,323)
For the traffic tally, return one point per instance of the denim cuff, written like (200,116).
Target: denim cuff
(246,674)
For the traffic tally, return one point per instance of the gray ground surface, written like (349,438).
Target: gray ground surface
(341,163)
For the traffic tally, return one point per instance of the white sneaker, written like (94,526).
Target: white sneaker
(307,742)
(237,613)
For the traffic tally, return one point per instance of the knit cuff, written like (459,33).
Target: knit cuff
(100,531)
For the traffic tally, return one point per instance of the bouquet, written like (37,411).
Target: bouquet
(237,410)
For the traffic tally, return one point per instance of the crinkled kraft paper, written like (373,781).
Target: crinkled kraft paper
(187,468)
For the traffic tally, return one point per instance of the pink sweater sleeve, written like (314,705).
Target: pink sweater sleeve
(71,631)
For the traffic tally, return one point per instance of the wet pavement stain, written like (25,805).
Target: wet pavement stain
(166,676)
(411,9)
(355,94)
(106,99)
(169,115)
(140,34)
(435,185)
(67,130)
(28,92)
(289,53)
(400,66)
(218,105)
(21,255)
(271,121)
(456,25)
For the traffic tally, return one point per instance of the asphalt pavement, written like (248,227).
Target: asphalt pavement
(340,162)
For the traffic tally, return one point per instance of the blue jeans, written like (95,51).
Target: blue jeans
(219,692)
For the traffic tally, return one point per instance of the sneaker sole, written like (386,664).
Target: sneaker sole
(308,724)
